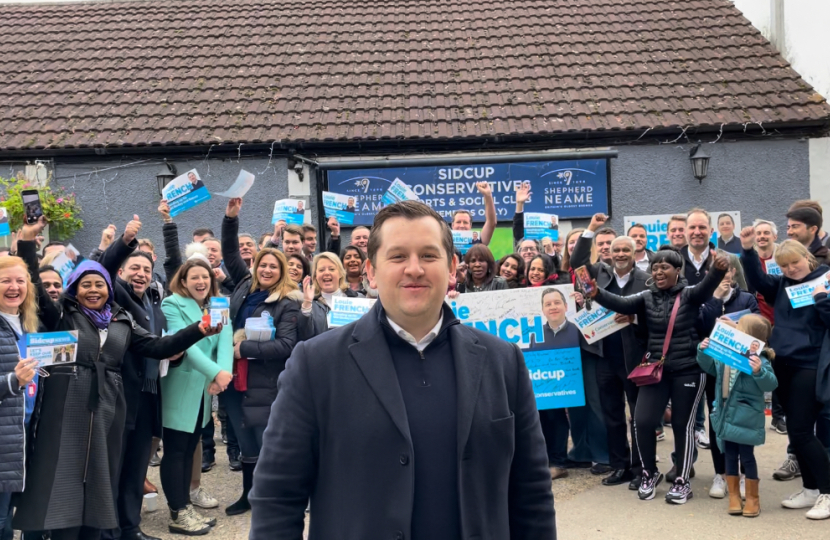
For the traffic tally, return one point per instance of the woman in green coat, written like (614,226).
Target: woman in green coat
(186,389)
(738,414)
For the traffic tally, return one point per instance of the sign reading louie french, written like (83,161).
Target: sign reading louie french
(526,317)
(569,189)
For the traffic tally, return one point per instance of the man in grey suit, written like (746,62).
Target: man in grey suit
(405,425)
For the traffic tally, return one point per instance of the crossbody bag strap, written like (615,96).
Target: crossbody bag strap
(670,329)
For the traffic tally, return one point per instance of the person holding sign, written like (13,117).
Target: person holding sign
(18,378)
(462,220)
(266,293)
(405,424)
(69,487)
(205,370)
(738,417)
(620,352)
(682,381)
(802,365)
(327,280)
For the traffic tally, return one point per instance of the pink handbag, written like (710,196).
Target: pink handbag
(652,372)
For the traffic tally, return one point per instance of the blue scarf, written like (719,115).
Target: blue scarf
(252,302)
(101,317)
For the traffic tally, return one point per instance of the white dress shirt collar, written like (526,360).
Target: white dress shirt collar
(409,338)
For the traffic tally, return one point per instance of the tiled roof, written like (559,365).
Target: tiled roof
(183,72)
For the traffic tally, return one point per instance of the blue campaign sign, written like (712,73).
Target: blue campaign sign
(556,375)
(569,189)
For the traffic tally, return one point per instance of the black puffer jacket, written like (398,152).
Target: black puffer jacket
(654,306)
(11,413)
(266,359)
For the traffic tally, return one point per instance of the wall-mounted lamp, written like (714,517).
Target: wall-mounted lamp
(700,162)
(166,173)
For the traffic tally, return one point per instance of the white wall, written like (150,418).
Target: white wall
(801,37)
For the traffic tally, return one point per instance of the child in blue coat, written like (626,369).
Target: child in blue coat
(738,415)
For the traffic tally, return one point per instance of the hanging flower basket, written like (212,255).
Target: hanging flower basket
(59,206)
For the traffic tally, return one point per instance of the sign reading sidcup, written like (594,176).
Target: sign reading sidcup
(570,189)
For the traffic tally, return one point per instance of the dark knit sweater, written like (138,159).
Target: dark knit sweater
(428,386)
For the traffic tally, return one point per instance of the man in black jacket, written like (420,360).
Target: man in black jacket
(620,351)
(405,424)
(803,225)
(131,273)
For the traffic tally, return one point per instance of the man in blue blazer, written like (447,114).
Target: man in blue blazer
(406,424)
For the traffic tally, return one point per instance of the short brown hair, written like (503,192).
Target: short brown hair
(410,210)
(605,231)
(307,228)
(698,211)
(806,203)
(461,211)
(677,217)
(177,284)
(293,229)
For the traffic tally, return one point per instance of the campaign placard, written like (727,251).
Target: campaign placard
(773,269)
(802,294)
(596,323)
(732,347)
(397,192)
(4,222)
(184,192)
(292,211)
(345,310)
(66,262)
(539,225)
(240,187)
(657,227)
(464,240)
(220,311)
(340,207)
(51,348)
(525,317)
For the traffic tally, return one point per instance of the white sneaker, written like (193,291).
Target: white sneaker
(821,510)
(702,439)
(805,498)
(199,497)
(743,487)
(718,489)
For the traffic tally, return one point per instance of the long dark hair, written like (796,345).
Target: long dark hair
(551,271)
(483,253)
(519,280)
(355,249)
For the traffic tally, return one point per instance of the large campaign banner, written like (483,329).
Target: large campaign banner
(519,316)
(657,226)
(568,189)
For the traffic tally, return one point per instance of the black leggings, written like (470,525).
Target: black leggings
(746,453)
(177,463)
(718,459)
(685,392)
(797,392)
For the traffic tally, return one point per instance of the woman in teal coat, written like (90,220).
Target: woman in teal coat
(205,369)
(738,414)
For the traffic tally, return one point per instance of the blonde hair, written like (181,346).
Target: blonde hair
(284,285)
(48,259)
(335,260)
(759,328)
(28,309)
(566,256)
(791,251)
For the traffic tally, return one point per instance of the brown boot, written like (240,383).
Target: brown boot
(149,487)
(733,487)
(753,502)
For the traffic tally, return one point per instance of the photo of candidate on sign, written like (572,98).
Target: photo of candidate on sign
(340,207)
(464,240)
(535,320)
(539,225)
(51,348)
(732,347)
(4,222)
(184,192)
(291,211)
(398,192)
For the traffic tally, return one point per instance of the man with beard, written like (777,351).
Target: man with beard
(51,282)
(803,225)
(642,256)
(620,352)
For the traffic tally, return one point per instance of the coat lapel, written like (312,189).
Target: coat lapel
(469,358)
(371,353)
